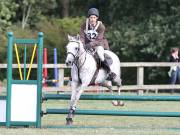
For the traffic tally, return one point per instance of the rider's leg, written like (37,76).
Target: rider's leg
(100,52)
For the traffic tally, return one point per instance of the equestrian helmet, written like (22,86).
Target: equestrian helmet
(93,11)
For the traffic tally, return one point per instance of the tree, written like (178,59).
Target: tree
(33,9)
(145,32)
(7,12)
(65,8)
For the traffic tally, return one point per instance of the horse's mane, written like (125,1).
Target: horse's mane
(77,39)
(74,38)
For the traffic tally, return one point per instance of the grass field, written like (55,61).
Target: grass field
(104,125)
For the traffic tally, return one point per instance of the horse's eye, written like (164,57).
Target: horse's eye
(76,48)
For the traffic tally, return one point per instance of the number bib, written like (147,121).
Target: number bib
(91,34)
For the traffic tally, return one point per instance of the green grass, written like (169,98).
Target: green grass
(101,125)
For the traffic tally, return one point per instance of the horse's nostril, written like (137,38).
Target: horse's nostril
(68,63)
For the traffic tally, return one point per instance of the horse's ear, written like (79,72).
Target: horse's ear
(78,37)
(69,37)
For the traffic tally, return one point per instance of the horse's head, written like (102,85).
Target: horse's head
(73,49)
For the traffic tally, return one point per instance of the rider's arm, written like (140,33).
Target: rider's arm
(101,31)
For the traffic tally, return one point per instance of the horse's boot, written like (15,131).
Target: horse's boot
(69,120)
(71,113)
(111,75)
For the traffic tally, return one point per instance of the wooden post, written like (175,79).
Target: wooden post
(140,78)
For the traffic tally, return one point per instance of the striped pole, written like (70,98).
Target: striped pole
(55,67)
(45,72)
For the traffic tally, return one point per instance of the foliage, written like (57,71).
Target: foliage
(18,33)
(7,12)
(55,36)
(137,30)
(56,31)
(30,11)
(146,40)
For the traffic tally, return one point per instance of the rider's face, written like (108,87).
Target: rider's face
(93,19)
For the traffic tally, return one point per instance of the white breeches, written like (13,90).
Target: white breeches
(100,52)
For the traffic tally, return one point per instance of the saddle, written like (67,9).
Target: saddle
(100,65)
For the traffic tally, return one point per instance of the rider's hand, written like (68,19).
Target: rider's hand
(88,46)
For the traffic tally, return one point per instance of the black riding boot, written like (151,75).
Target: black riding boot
(111,75)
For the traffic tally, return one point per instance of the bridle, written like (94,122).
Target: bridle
(78,65)
(77,56)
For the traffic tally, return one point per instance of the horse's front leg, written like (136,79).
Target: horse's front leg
(76,96)
(79,92)
(72,107)
(76,93)
(117,81)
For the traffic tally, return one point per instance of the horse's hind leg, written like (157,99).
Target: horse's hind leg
(108,84)
(120,102)
(117,81)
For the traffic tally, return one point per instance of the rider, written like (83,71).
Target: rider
(92,36)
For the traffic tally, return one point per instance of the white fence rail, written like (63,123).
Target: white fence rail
(140,74)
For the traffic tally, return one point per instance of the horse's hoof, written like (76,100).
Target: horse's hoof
(69,121)
(117,103)
(120,103)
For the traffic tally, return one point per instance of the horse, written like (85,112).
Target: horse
(83,67)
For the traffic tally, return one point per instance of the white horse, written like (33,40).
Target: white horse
(83,68)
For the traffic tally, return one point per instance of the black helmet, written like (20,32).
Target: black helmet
(93,11)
